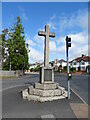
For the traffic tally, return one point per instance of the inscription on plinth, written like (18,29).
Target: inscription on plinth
(46,75)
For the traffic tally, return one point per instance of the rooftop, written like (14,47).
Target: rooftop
(83,57)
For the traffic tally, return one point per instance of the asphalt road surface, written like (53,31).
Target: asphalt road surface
(14,106)
(79,83)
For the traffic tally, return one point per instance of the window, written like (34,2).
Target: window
(83,63)
(74,63)
(88,62)
(82,68)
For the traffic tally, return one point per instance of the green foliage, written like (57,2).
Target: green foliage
(58,69)
(73,70)
(65,69)
(18,55)
(32,69)
(70,69)
(37,68)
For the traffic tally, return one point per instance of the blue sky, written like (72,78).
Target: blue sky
(64,18)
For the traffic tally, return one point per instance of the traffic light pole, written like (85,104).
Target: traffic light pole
(68,74)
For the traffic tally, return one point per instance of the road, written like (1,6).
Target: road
(79,83)
(13,106)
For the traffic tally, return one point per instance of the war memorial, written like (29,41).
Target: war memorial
(46,89)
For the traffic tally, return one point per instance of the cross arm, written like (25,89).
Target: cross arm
(42,33)
(51,34)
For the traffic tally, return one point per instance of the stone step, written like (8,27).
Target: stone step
(49,93)
(65,94)
(62,89)
(25,93)
(44,99)
(50,86)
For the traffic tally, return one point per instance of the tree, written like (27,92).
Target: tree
(18,55)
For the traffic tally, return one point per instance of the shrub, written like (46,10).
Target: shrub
(37,68)
(73,69)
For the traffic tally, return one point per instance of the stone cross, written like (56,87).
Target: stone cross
(46,34)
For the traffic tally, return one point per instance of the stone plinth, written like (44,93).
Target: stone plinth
(44,92)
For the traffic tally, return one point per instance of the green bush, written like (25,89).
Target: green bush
(73,69)
(32,69)
(65,69)
(37,68)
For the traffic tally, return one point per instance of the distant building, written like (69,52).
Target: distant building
(58,64)
(55,64)
(62,63)
(33,65)
(81,63)
(42,64)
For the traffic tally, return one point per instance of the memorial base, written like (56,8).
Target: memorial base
(44,92)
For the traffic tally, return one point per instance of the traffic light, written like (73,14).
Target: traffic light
(68,41)
(69,76)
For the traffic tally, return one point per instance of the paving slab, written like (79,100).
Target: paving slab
(48,116)
(80,110)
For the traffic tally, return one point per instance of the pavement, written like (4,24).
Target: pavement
(13,106)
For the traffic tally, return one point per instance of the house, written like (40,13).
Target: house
(58,64)
(81,63)
(61,63)
(33,65)
(55,64)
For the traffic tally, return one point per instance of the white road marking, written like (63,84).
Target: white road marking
(79,97)
(11,87)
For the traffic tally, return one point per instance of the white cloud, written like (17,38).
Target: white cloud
(78,19)
(60,40)
(35,55)
(79,38)
(79,44)
(30,43)
(82,19)
(39,39)
(52,46)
